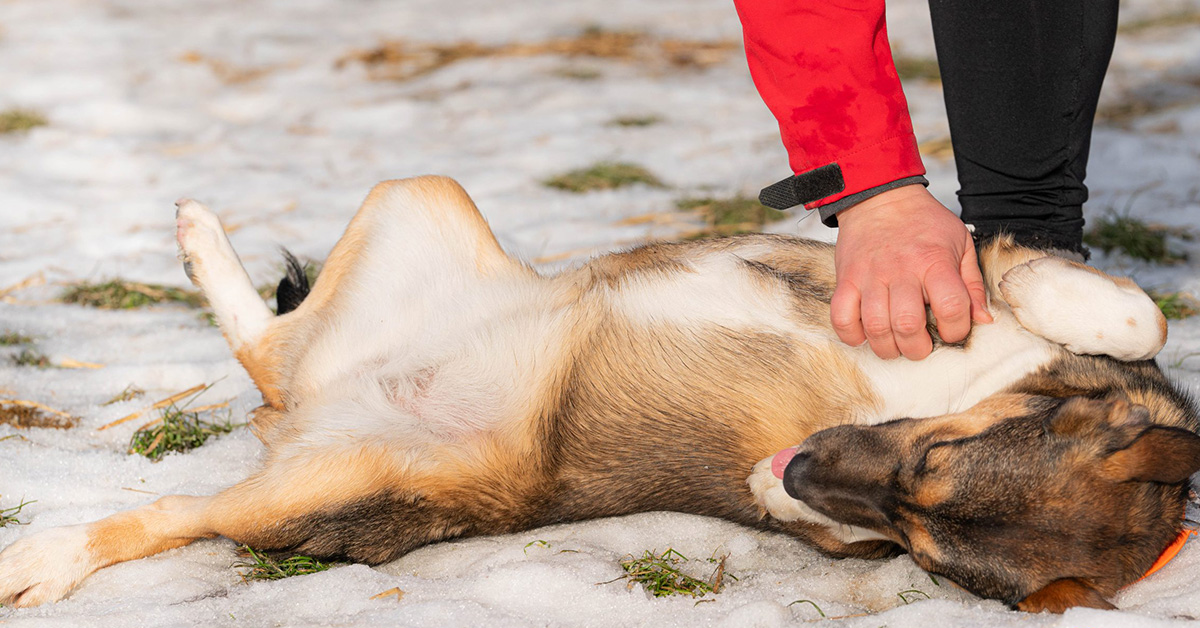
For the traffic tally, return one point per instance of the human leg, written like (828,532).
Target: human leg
(1021,83)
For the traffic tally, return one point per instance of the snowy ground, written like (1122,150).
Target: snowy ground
(244,106)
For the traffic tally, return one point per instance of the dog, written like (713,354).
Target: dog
(430,387)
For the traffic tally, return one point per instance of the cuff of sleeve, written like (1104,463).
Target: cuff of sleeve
(829,212)
(843,175)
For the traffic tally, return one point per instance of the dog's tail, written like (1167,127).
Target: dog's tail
(293,287)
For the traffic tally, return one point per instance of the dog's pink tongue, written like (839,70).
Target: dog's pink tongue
(781,460)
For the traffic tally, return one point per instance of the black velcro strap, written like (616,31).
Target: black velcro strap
(805,187)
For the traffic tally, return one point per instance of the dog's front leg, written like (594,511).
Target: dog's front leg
(1077,306)
(46,566)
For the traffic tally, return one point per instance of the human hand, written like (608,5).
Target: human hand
(896,252)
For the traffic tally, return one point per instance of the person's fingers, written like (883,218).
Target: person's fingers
(949,300)
(973,278)
(877,322)
(845,314)
(907,311)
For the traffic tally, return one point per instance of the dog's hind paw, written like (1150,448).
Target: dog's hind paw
(1085,310)
(199,234)
(44,567)
(211,263)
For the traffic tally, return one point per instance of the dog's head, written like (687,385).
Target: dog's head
(1058,504)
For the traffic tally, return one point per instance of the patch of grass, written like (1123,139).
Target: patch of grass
(605,175)
(661,574)
(1133,237)
(260,566)
(124,295)
(12,338)
(18,120)
(8,516)
(130,392)
(177,430)
(729,216)
(919,68)
(636,121)
(29,357)
(1175,305)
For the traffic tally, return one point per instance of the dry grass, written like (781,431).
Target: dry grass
(226,72)
(19,120)
(938,148)
(25,414)
(605,175)
(130,392)
(118,294)
(404,60)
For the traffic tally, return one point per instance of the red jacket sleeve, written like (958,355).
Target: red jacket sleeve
(824,68)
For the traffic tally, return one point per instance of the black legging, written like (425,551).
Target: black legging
(1021,81)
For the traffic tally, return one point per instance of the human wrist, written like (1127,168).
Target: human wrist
(830,212)
(904,198)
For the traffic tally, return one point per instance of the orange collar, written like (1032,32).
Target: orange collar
(1170,552)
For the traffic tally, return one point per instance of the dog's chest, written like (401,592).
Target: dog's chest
(952,379)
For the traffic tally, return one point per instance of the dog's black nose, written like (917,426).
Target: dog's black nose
(795,473)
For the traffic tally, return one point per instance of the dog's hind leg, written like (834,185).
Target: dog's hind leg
(415,252)
(243,316)
(211,263)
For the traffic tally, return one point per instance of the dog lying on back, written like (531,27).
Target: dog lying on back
(431,387)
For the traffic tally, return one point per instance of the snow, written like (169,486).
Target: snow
(243,106)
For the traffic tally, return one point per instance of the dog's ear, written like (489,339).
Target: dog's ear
(1158,454)
(1062,594)
(1080,415)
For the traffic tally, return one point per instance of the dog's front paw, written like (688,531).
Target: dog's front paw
(1084,310)
(769,494)
(44,567)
